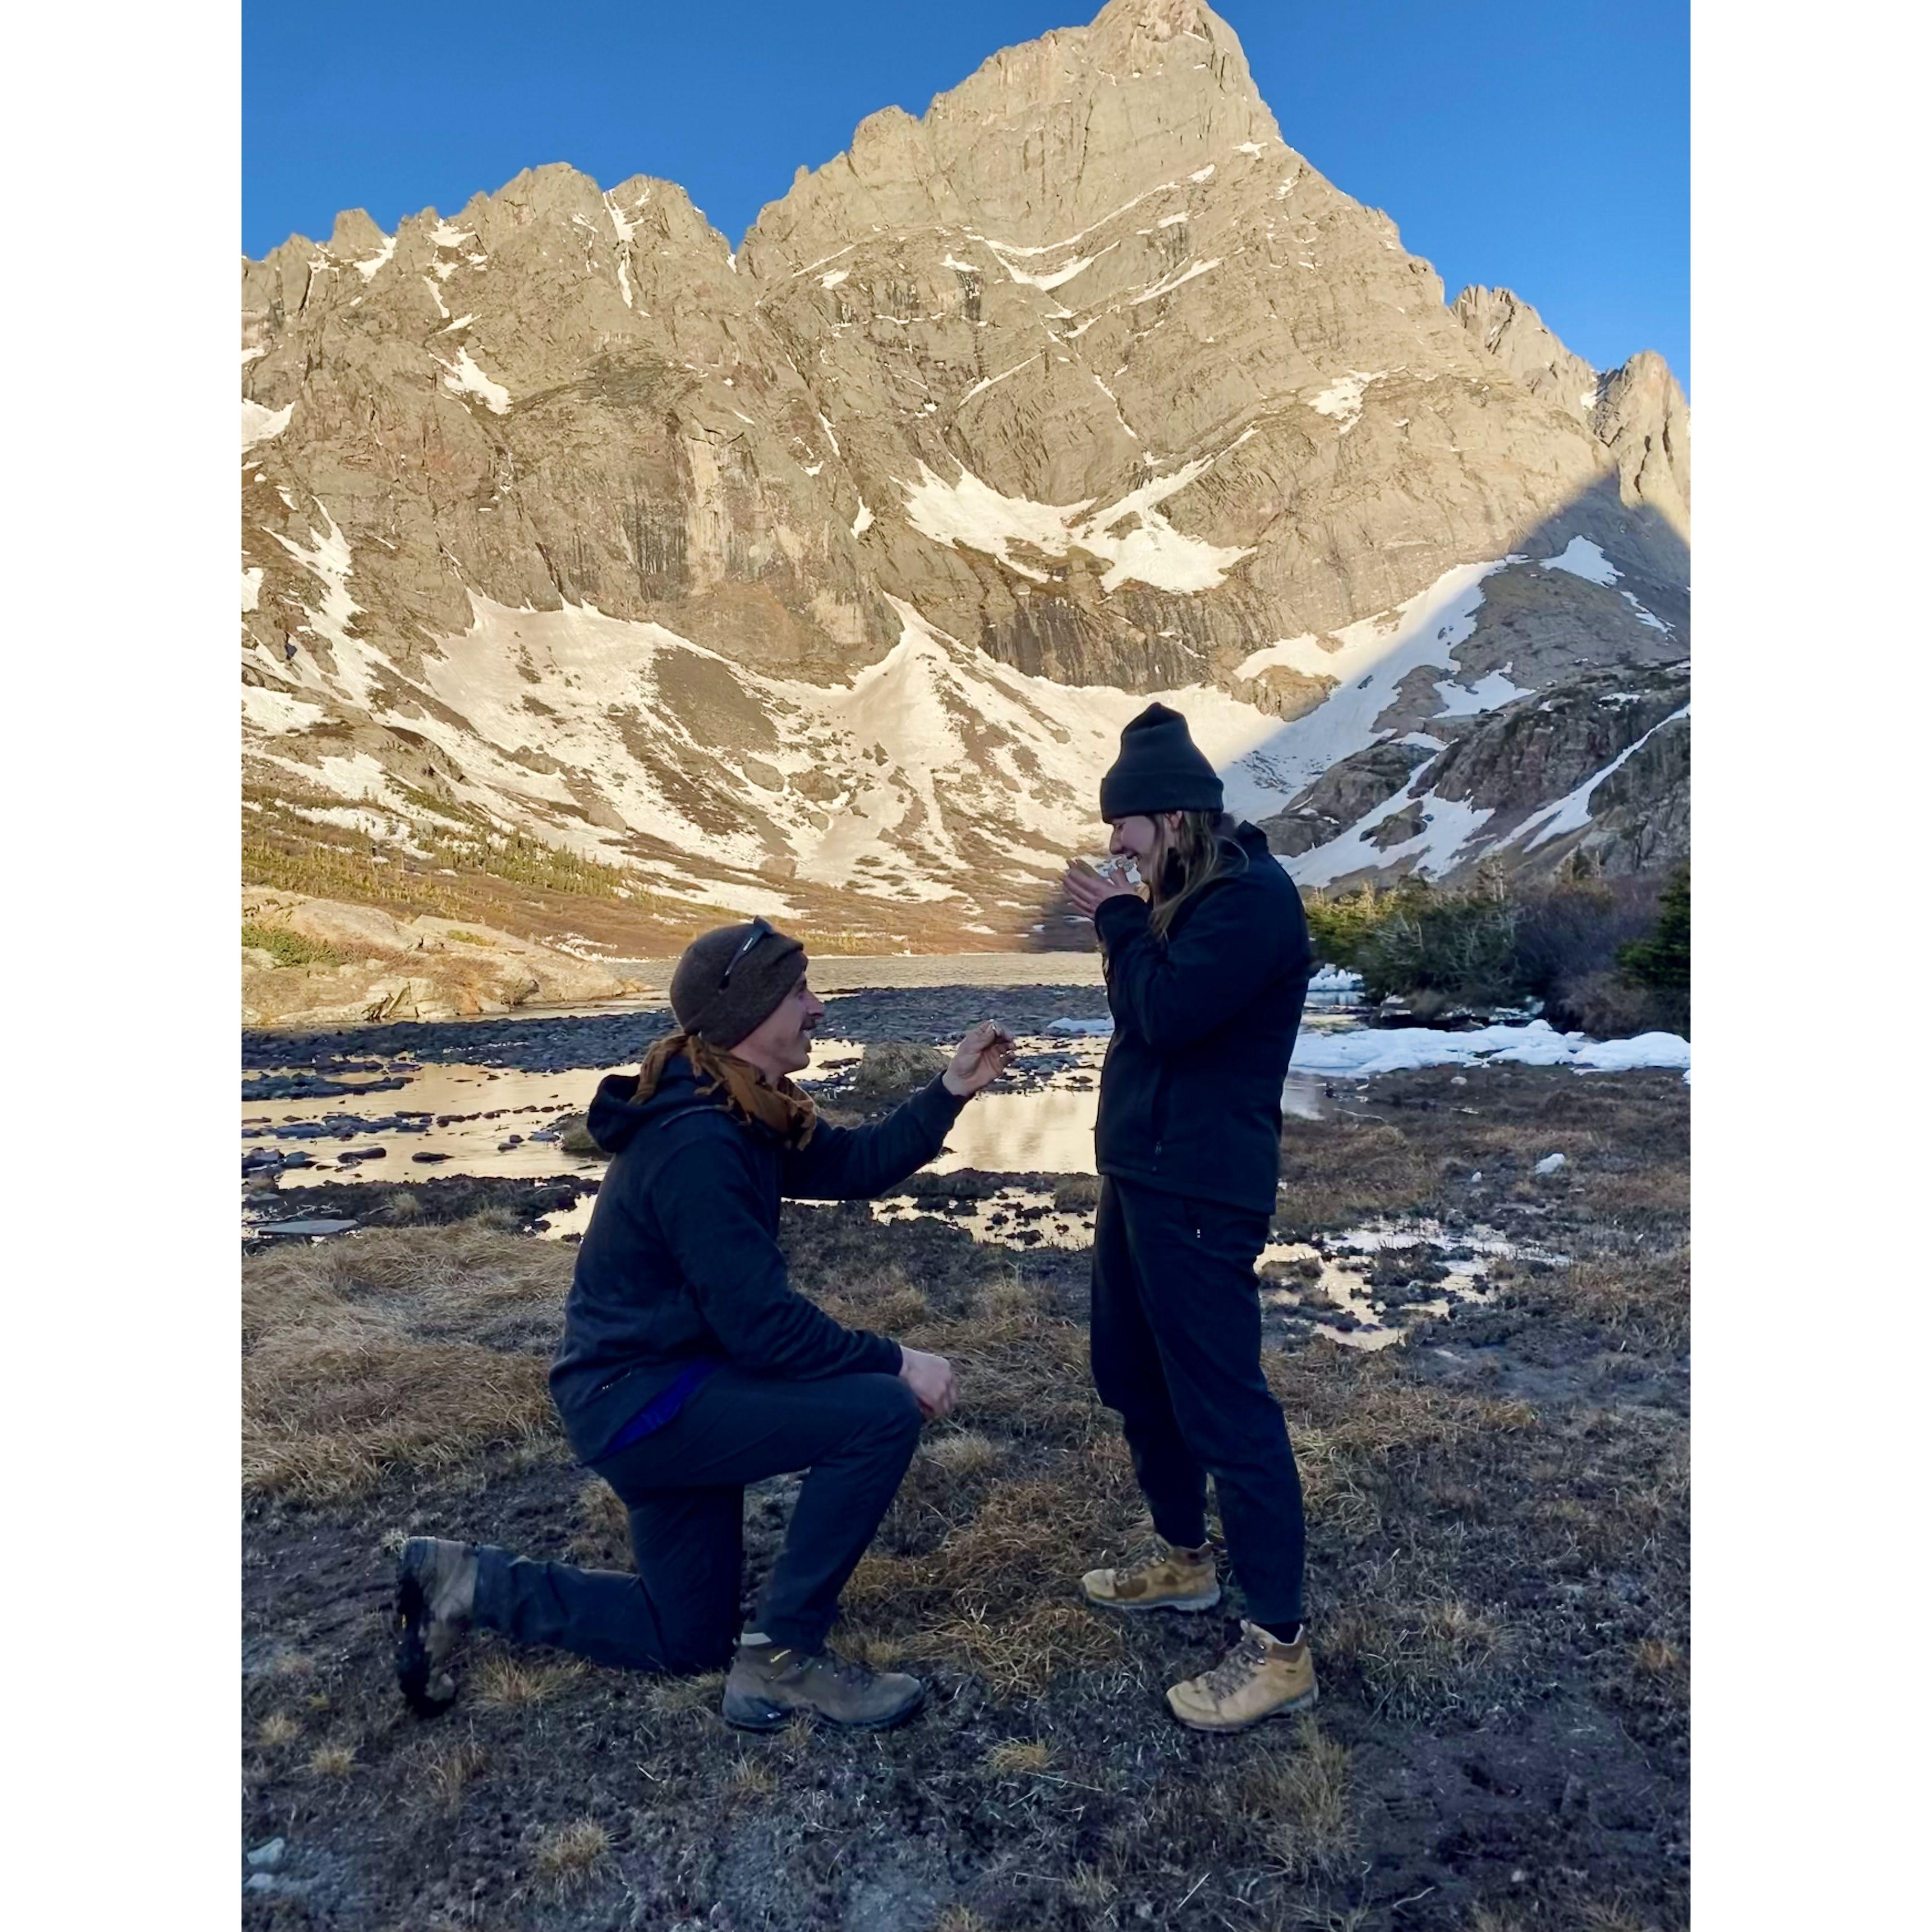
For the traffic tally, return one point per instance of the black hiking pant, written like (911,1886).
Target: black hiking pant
(1177,1350)
(684,1488)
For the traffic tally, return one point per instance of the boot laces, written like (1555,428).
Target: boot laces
(1238,1666)
(1153,1560)
(841,1670)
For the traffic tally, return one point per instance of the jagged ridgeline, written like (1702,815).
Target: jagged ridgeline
(818,579)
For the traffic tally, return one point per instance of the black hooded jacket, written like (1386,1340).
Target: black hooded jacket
(1203,1027)
(681,1260)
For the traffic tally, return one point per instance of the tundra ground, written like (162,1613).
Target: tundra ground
(1499,1574)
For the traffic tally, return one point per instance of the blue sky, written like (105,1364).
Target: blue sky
(1541,144)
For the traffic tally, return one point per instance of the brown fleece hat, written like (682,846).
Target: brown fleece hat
(730,978)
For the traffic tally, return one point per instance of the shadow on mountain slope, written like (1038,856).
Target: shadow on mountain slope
(1539,711)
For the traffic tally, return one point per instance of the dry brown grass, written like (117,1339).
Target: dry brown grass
(1304,1802)
(1016,1757)
(883,1299)
(1418,1661)
(509,1682)
(686,1696)
(960,1918)
(1335,1171)
(751,1777)
(964,1452)
(1648,1294)
(566,1854)
(332,1760)
(277,1729)
(353,1363)
(602,1538)
(452,1768)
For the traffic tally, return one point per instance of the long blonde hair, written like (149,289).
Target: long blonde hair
(1201,849)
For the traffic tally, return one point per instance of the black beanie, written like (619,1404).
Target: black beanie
(723,1015)
(1160,769)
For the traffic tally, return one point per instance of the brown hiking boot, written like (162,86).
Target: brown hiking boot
(436,1594)
(769,1682)
(1172,1579)
(1260,1678)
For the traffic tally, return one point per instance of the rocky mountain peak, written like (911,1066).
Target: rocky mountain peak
(1638,411)
(840,562)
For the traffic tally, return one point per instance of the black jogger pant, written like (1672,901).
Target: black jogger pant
(1176,1340)
(683,1486)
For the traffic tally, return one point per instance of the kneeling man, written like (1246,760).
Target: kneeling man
(690,1366)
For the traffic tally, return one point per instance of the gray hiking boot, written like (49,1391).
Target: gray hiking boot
(770,1682)
(435,1596)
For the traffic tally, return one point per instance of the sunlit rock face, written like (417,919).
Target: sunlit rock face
(838,563)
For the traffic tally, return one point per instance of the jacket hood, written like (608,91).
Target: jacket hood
(615,1119)
(1252,840)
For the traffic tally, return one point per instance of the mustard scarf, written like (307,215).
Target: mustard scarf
(785,1108)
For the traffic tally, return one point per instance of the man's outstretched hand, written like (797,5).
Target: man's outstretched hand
(932,1379)
(982,1056)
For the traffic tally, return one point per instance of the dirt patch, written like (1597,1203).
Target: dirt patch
(1499,1594)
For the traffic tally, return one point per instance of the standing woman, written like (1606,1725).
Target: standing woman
(1205,979)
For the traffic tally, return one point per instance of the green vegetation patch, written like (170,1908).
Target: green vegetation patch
(1605,955)
(290,948)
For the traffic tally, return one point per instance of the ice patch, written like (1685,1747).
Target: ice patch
(1202,174)
(249,355)
(367,270)
(1173,282)
(1583,559)
(1487,694)
(986,381)
(328,560)
(1059,275)
(462,377)
(276,714)
(1247,147)
(251,588)
(1643,616)
(1571,812)
(1372,657)
(621,224)
(863,522)
(1361,1053)
(1450,824)
(833,277)
(448,235)
(1342,398)
(1151,551)
(260,425)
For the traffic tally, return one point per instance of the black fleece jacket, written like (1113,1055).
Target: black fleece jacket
(681,1260)
(1203,1027)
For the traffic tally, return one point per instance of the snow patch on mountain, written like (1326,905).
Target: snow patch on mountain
(1571,812)
(1342,398)
(368,269)
(259,424)
(1582,558)
(1131,534)
(463,377)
